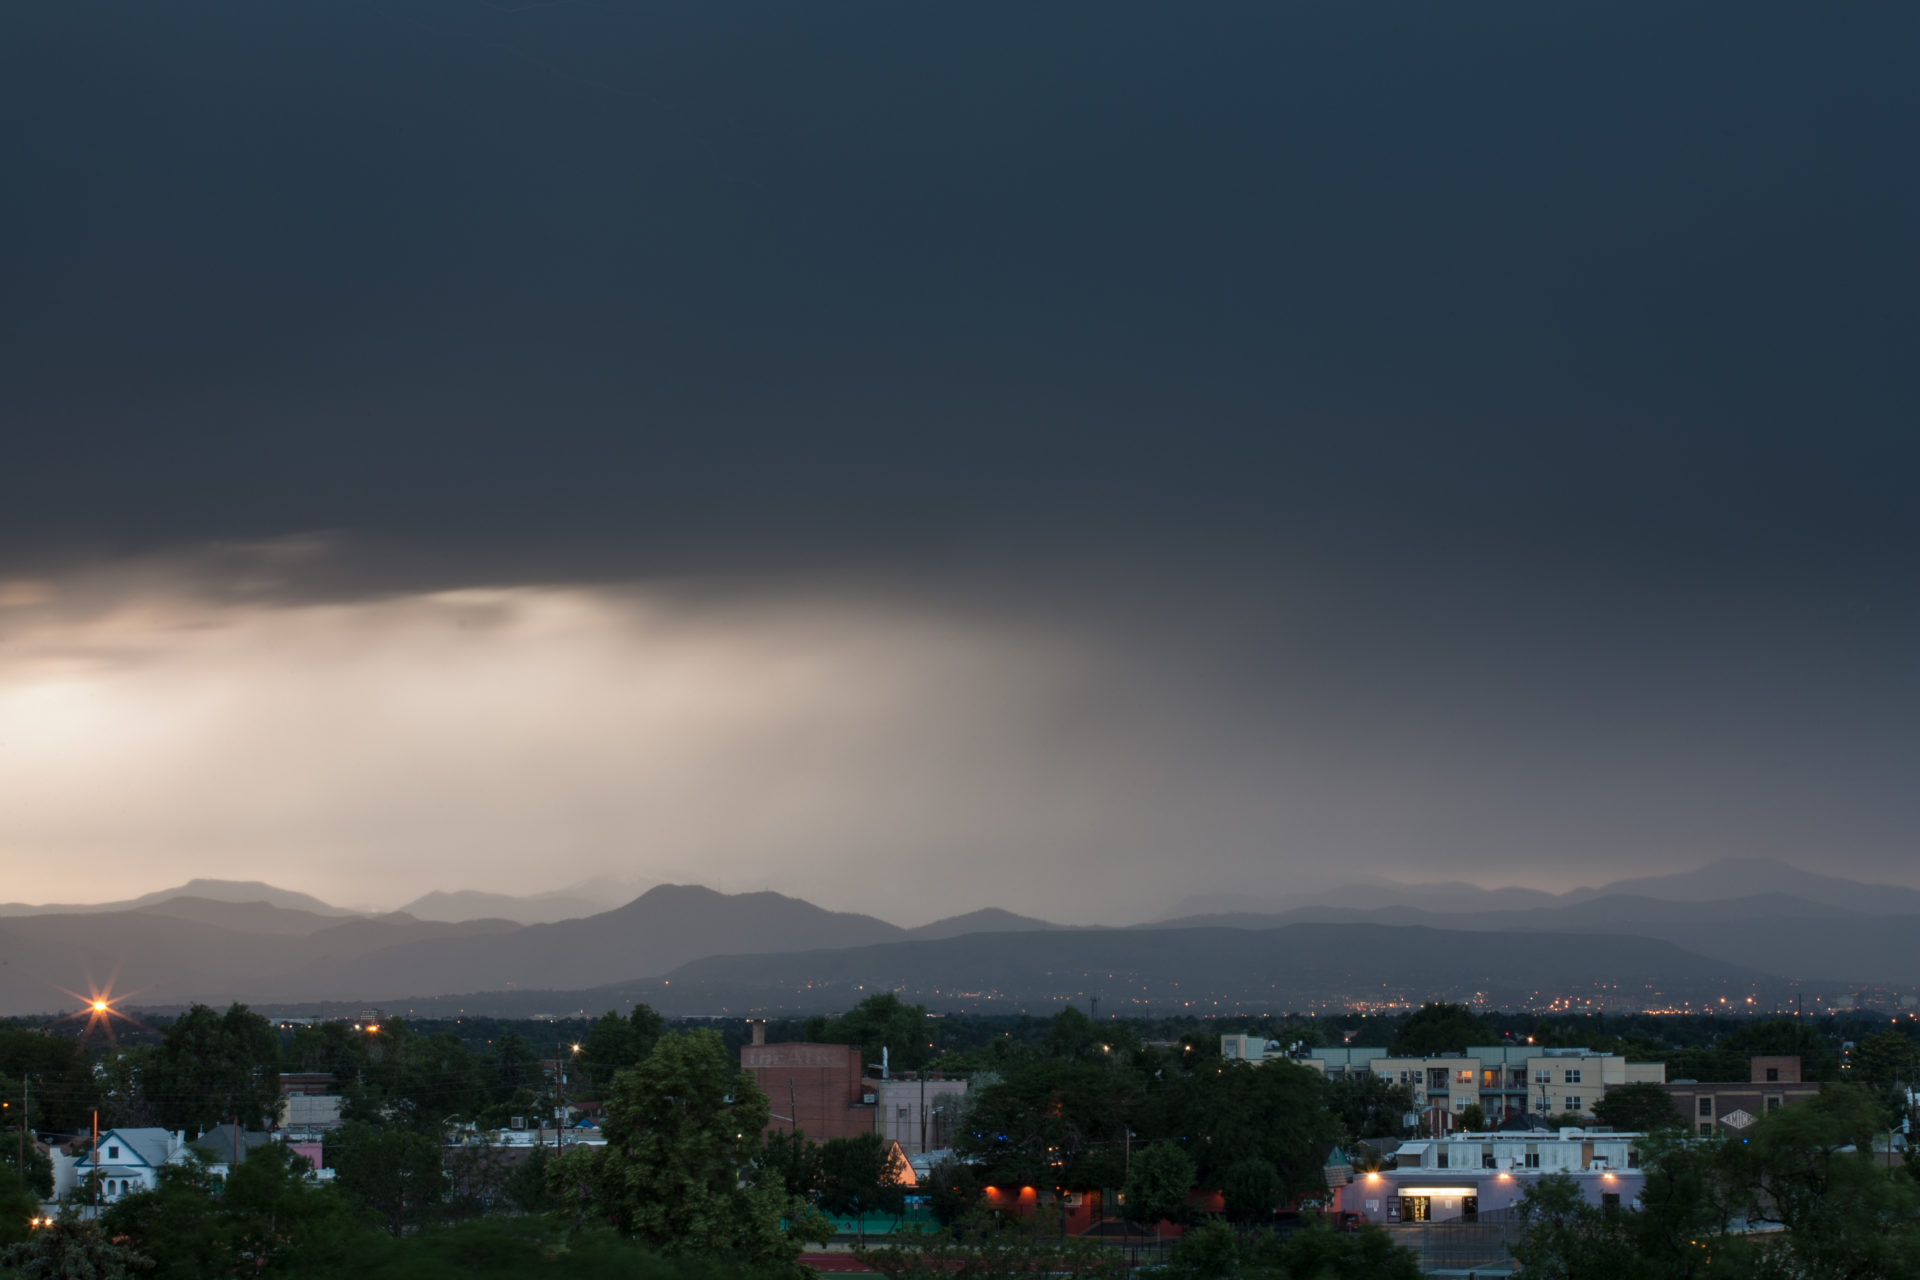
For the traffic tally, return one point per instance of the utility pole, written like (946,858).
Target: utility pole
(26,1101)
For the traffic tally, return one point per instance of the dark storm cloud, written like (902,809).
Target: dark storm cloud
(704,279)
(1482,434)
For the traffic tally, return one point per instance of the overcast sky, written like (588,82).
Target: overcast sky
(1062,457)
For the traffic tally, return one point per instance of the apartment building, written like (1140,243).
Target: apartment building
(1504,1081)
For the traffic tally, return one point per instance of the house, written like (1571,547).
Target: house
(1463,1175)
(1710,1107)
(124,1160)
(225,1145)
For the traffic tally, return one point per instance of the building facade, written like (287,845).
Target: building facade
(1728,1106)
(1505,1081)
(1464,1175)
(815,1089)
(919,1114)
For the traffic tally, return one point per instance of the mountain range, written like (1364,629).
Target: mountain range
(684,945)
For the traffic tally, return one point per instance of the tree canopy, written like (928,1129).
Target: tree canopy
(682,1127)
(1640,1107)
(1433,1029)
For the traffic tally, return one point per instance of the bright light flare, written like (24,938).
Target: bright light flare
(97,1007)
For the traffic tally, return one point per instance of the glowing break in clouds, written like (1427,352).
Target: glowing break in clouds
(524,738)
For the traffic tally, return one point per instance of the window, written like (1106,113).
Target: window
(1773,1103)
(1706,1129)
(1533,1160)
(1573,1076)
(113,1153)
(1490,1079)
(1465,1077)
(1543,1076)
(1440,1160)
(1706,1106)
(1573,1102)
(1609,1199)
(1633,1157)
(1437,1078)
(1486,1159)
(1773,1075)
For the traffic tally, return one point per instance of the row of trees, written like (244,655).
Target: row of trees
(1801,1195)
(209,1067)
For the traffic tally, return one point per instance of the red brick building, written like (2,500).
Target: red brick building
(1719,1106)
(814,1088)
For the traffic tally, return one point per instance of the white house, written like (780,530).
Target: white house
(124,1160)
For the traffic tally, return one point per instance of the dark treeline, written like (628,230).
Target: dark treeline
(1146,1112)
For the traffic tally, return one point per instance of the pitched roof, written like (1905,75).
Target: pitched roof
(218,1142)
(152,1147)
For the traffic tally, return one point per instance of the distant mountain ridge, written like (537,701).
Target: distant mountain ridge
(1726,878)
(241,891)
(1135,972)
(218,940)
(472,904)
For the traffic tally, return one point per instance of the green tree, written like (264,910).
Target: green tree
(18,1206)
(65,1087)
(615,1043)
(1368,1105)
(37,1176)
(511,1068)
(1434,1029)
(1472,1118)
(72,1250)
(858,1177)
(1237,1111)
(1562,1237)
(681,1128)
(952,1189)
(790,1161)
(1317,1252)
(1158,1183)
(1209,1251)
(1054,1123)
(123,1080)
(1251,1189)
(177,1223)
(267,1217)
(526,1183)
(213,1067)
(394,1173)
(419,1082)
(881,1021)
(1885,1059)
(1641,1107)
(329,1047)
(1811,1169)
